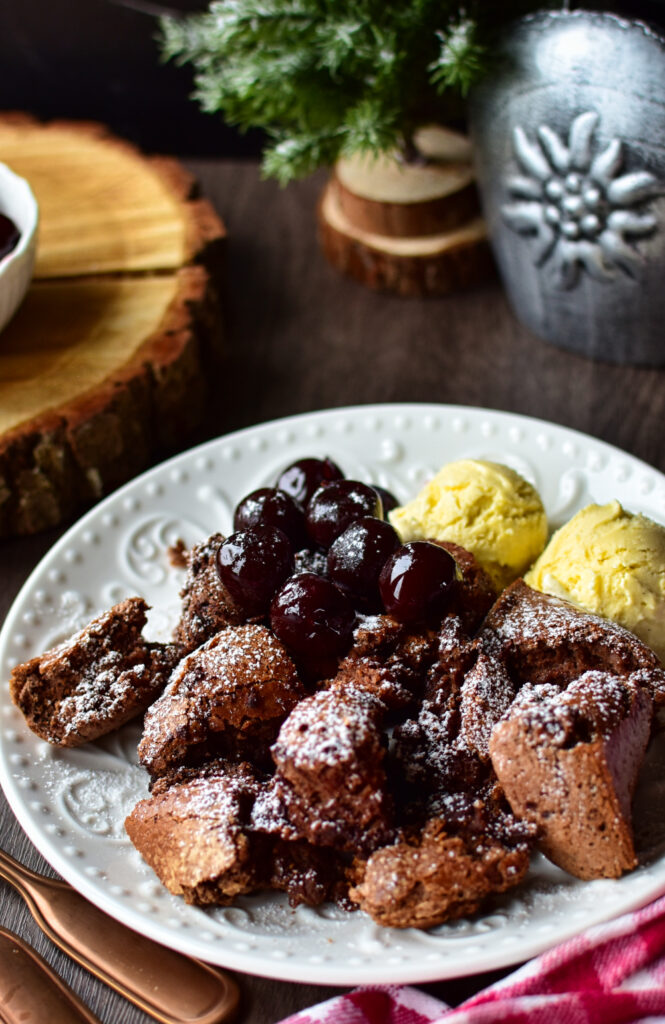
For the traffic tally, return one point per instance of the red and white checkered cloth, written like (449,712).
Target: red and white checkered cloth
(612,974)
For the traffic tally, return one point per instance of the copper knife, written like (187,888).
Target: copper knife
(173,988)
(31,992)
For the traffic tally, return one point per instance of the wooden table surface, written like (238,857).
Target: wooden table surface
(300,338)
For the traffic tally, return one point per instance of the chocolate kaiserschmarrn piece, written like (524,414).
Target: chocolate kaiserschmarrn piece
(192,831)
(530,637)
(205,833)
(436,877)
(329,754)
(227,698)
(388,660)
(544,639)
(206,605)
(568,761)
(94,682)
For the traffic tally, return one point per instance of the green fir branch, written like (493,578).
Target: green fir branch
(370,128)
(460,60)
(325,77)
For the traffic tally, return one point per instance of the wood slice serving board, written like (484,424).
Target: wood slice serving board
(414,229)
(104,366)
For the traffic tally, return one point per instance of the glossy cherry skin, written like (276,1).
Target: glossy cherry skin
(356,558)
(417,581)
(302,478)
(388,499)
(312,617)
(338,504)
(252,565)
(269,506)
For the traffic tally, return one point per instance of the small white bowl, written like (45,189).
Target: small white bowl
(19,204)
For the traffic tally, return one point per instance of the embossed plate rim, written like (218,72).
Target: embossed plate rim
(373,441)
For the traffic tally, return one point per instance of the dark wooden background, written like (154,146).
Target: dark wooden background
(99,60)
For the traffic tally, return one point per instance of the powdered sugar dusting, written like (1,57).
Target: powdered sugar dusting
(591,707)
(242,674)
(101,694)
(329,727)
(524,621)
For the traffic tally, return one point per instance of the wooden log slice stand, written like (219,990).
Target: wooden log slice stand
(414,229)
(104,366)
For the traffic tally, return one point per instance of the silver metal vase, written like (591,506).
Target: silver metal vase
(569,141)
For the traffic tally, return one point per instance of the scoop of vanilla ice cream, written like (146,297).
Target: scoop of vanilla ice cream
(487,508)
(611,562)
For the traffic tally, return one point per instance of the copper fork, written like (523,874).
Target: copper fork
(31,992)
(173,988)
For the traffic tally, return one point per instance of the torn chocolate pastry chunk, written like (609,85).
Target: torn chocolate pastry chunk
(308,874)
(207,607)
(202,835)
(94,682)
(486,694)
(544,639)
(388,660)
(227,698)
(329,754)
(568,761)
(401,664)
(530,637)
(430,752)
(467,850)
(192,831)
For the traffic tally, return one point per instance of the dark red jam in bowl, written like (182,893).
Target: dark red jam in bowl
(9,235)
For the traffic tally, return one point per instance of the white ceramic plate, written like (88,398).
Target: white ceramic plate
(72,803)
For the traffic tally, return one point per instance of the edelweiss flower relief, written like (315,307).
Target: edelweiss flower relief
(582,212)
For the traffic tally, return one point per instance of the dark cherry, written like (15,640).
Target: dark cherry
(417,581)
(253,564)
(312,617)
(9,235)
(357,556)
(305,476)
(338,504)
(388,499)
(270,507)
